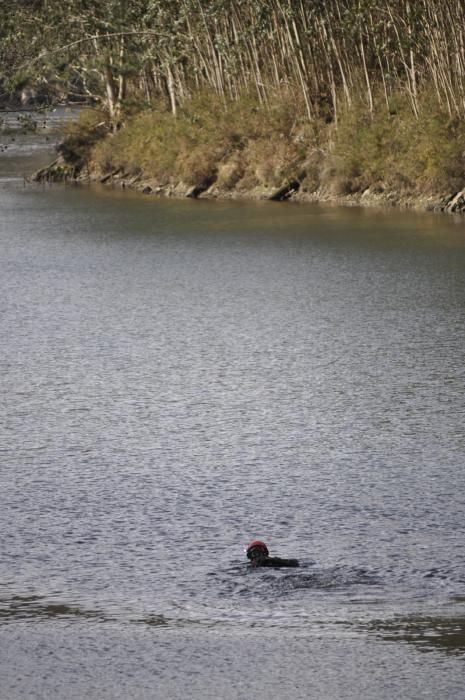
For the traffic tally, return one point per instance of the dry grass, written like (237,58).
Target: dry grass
(399,151)
(209,140)
(246,145)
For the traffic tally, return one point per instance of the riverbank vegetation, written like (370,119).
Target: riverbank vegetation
(345,94)
(245,146)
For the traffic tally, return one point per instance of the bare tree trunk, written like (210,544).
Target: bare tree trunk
(171,90)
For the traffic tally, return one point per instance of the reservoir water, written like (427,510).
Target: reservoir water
(179,377)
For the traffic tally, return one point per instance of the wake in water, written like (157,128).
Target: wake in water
(241,583)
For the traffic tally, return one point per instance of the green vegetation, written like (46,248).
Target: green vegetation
(82,135)
(210,140)
(353,92)
(244,145)
(399,151)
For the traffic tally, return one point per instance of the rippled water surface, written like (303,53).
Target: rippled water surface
(179,377)
(27,139)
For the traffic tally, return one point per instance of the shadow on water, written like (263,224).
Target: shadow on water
(426,633)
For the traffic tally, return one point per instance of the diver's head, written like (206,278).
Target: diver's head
(257,551)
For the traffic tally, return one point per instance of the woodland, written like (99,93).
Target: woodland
(355,93)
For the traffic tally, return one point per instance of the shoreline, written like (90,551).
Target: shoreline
(60,170)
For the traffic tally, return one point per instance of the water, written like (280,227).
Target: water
(27,139)
(180,377)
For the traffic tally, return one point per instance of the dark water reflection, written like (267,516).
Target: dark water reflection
(36,607)
(178,377)
(428,634)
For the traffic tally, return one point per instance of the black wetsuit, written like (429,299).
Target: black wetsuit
(275,561)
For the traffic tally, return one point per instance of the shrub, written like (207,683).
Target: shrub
(398,150)
(81,135)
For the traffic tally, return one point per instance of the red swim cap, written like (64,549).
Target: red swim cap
(258,544)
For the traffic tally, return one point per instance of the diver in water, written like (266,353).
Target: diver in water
(257,552)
